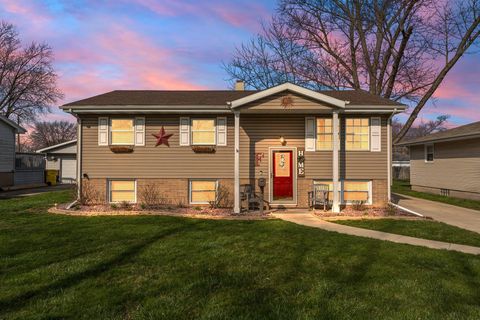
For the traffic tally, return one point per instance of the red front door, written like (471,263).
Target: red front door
(282,175)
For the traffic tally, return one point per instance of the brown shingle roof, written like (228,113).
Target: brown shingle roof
(209,98)
(466,131)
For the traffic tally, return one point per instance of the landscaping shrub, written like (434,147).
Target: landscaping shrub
(359,205)
(91,195)
(223,198)
(391,210)
(150,196)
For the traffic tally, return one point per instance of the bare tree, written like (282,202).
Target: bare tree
(27,79)
(46,134)
(422,129)
(399,49)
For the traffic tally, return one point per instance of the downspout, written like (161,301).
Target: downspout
(79,162)
(389,155)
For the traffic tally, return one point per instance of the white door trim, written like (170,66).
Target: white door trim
(270,176)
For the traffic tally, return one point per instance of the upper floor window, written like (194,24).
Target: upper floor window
(203,131)
(429,153)
(357,134)
(324,134)
(122,132)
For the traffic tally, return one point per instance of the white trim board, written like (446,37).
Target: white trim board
(291,87)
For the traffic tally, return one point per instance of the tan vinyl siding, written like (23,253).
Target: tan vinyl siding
(274,103)
(456,166)
(259,132)
(155,162)
(363,164)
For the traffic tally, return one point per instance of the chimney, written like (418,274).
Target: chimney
(239,85)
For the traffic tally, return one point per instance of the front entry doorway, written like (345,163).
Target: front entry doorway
(283,189)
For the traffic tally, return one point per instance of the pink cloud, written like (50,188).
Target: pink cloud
(139,62)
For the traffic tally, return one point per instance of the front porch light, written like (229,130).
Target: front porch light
(283,141)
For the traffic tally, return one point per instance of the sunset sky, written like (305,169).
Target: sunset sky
(105,45)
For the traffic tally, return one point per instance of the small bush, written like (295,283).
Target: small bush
(223,198)
(391,210)
(181,204)
(125,205)
(359,205)
(91,195)
(150,196)
(114,206)
(197,208)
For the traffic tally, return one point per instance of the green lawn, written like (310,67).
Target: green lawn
(150,267)
(425,229)
(403,187)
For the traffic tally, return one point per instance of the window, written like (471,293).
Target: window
(429,151)
(445,192)
(122,132)
(357,134)
(203,132)
(324,134)
(356,191)
(203,191)
(350,190)
(123,190)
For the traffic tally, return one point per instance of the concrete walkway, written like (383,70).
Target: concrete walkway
(308,219)
(468,219)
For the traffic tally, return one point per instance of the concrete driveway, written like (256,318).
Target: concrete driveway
(468,219)
(33,191)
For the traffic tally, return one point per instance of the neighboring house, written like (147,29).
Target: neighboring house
(447,162)
(289,135)
(62,157)
(8,130)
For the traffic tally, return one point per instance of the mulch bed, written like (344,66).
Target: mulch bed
(193,212)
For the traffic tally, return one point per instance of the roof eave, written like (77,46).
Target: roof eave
(56,146)
(417,143)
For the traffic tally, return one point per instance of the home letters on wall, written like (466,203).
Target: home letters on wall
(301,162)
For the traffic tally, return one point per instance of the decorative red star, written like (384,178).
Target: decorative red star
(162,138)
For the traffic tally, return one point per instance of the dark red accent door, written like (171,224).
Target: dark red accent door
(282,175)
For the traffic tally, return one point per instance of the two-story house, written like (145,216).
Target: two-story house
(289,135)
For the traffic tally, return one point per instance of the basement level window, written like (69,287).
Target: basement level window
(123,191)
(203,191)
(445,192)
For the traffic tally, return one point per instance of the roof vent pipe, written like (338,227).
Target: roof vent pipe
(239,85)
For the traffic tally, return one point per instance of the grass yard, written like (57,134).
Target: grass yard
(425,229)
(154,267)
(403,187)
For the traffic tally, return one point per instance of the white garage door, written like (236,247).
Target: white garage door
(68,172)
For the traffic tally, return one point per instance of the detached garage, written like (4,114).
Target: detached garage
(62,157)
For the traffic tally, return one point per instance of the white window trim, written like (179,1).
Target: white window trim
(190,190)
(342,189)
(369,201)
(367,134)
(109,187)
(425,150)
(316,133)
(214,132)
(110,132)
